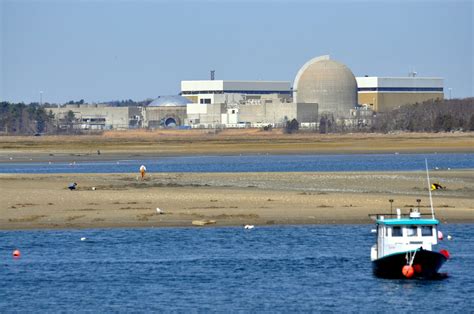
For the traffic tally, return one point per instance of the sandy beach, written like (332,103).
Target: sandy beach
(124,200)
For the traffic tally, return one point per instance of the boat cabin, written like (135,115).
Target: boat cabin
(404,233)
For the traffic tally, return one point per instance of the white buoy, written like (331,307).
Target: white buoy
(159,211)
(83,239)
(249,227)
(373,230)
(449,237)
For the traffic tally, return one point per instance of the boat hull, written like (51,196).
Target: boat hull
(426,264)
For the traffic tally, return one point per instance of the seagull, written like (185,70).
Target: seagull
(83,239)
(159,211)
(72,186)
(249,227)
(93,188)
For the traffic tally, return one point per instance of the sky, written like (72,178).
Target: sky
(111,50)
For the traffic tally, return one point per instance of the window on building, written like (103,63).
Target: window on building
(396,231)
(426,231)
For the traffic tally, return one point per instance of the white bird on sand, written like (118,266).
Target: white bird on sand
(449,237)
(159,211)
(93,188)
(249,227)
(83,239)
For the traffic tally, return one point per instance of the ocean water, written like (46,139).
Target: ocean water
(254,163)
(267,269)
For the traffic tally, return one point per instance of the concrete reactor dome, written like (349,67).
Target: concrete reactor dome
(170,101)
(328,83)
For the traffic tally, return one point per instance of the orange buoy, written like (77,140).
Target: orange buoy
(16,253)
(417,268)
(445,253)
(408,271)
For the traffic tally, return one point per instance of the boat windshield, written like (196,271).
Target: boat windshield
(426,231)
(412,231)
(396,231)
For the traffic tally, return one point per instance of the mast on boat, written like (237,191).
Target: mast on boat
(429,188)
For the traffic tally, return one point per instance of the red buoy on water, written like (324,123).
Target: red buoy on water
(445,253)
(417,268)
(408,271)
(16,253)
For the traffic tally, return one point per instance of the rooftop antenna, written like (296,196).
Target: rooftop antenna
(429,188)
(213,74)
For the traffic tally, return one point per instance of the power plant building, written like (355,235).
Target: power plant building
(329,83)
(165,111)
(383,94)
(322,89)
(238,103)
(99,116)
(220,91)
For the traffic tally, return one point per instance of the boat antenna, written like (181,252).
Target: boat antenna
(429,188)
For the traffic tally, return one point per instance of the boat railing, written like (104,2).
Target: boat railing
(375,217)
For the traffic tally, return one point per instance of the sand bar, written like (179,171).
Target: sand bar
(123,200)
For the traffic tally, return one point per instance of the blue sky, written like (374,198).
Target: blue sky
(107,50)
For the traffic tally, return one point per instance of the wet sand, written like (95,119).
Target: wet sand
(124,200)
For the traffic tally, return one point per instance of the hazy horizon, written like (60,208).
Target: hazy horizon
(104,50)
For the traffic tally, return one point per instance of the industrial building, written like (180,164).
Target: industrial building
(321,86)
(165,111)
(222,103)
(383,94)
(322,89)
(329,84)
(99,116)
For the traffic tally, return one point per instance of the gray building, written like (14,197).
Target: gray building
(165,111)
(328,83)
(99,116)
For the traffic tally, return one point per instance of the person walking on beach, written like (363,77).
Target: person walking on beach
(142,171)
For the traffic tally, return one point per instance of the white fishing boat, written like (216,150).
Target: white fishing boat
(405,246)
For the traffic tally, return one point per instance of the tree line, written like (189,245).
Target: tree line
(25,119)
(429,116)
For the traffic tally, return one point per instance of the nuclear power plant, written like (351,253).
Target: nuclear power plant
(322,89)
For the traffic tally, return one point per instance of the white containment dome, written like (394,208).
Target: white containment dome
(328,83)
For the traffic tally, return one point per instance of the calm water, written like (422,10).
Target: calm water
(255,163)
(293,268)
